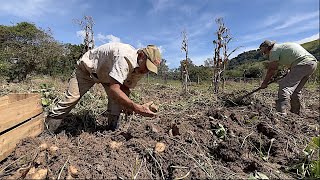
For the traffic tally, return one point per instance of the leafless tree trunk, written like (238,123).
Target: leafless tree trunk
(184,63)
(221,60)
(218,62)
(198,82)
(87,26)
(165,77)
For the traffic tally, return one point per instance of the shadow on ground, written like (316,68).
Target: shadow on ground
(85,121)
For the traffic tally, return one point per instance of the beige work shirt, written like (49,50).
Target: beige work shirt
(112,60)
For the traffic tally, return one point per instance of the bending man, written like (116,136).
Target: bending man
(118,67)
(301,63)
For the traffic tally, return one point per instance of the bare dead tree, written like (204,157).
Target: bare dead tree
(221,56)
(86,25)
(218,43)
(184,63)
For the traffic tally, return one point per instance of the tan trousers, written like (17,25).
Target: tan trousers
(290,87)
(79,84)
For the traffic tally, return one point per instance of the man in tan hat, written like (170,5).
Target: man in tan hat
(301,63)
(118,67)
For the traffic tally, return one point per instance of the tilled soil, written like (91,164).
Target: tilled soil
(203,138)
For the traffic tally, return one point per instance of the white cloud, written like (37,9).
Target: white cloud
(199,59)
(140,45)
(107,38)
(271,34)
(161,49)
(297,19)
(283,25)
(207,23)
(81,34)
(271,20)
(308,39)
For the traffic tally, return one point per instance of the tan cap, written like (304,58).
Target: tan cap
(154,58)
(267,43)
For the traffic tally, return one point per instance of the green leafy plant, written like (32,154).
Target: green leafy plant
(47,94)
(313,148)
(309,166)
(221,132)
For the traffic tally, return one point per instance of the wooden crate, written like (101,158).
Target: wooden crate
(21,116)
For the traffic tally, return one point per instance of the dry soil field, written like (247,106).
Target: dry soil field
(200,135)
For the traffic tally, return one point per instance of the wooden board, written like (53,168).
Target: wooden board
(9,139)
(4,100)
(16,108)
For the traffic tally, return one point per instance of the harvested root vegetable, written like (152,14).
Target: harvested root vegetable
(73,171)
(115,144)
(40,174)
(41,159)
(160,147)
(43,146)
(69,177)
(30,172)
(53,150)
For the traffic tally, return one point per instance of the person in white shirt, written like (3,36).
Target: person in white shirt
(118,67)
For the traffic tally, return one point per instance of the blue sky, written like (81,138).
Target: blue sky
(160,22)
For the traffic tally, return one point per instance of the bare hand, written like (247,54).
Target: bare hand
(145,111)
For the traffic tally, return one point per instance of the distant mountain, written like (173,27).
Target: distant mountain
(254,55)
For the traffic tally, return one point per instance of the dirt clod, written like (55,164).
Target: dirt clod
(40,174)
(115,144)
(53,150)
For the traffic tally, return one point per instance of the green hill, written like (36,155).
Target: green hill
(313,47)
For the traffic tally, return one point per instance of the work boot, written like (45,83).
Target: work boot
(295,104)
(113,122)
(52,124)
(281,106)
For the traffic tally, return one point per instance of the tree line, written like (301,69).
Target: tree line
(27,50)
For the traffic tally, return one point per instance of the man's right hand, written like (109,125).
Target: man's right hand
(144,110)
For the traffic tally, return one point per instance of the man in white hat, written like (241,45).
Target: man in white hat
(118,67)
(301,63)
